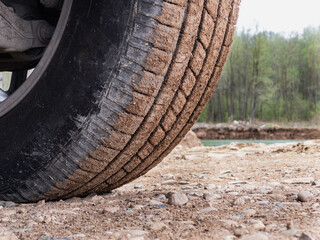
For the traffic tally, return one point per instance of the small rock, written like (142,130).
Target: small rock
(7,204)
(41,203)
(258,225)
(210,196)
(9,237)
(169,182)
(160,196)
(305,196)
(316,183)
(249,212)
(9,213)
(290,232)
(111,209)
(256,236)
(240,201)
(155,202)
(207,210)
(278,197)
(225,172)
(129,211)
(237,182)
(263,203)
(307,180)
(229,224)
(177,199)
(305,236)
(157,226)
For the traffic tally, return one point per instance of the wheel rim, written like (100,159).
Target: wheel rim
(18,95)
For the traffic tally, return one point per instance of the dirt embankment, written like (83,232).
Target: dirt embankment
(249,132)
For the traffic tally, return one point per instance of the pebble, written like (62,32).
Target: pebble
(169,182)
(7,204)
(256,236)
(290,232)
(157,226)
(207,210)
(155,202)
(278,197)
(249,212)
(307,180)
(160,196)
(263,203)
(111,209)
(9,237)
(9,213)
(305,236)
(257,225)
(229,224)
(237,182)
(240,201)
(177,199)
(211,196)
(316,183)
(305,196)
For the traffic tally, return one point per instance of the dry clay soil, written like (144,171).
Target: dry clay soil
(240,191)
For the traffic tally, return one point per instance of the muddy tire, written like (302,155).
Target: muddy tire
(125,84)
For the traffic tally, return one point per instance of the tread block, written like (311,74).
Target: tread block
(145,150)
(198,58)
(171,15)
(165,38)
(157,136)
(178,102)
(193,19)
(207,28)
(134,162)
(148,83)
(188,82)
(158,62)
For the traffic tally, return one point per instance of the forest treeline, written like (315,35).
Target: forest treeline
(269,77)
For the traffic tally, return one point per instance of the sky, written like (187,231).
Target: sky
(281,16)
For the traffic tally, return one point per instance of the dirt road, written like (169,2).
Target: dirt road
(240,191)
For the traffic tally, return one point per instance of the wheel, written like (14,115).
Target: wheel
(118,87)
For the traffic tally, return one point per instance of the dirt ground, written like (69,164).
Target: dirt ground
(240,191)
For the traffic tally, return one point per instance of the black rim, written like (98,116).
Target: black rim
(21,85)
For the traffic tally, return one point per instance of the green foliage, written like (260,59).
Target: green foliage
(269,77)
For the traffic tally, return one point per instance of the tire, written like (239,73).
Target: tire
(123,85)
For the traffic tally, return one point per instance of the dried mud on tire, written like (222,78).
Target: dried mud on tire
(171,62)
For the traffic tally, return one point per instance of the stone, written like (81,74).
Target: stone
(249,212)
(257,225)
(229,224)
(111,209)
(240,201)
(307,180)
(169,182)
(160,196)
(263,203)
(9,213)
(289,233)
(256,236)
(158,226)
(155,202)
(316,183)
(7,204)
(237,182)
(207,210)
(278,197)
(177,199)
(305,196)
(9,237)
(305,236)
(211,196)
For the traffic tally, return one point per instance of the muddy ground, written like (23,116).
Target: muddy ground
(246,131)
(240,191)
